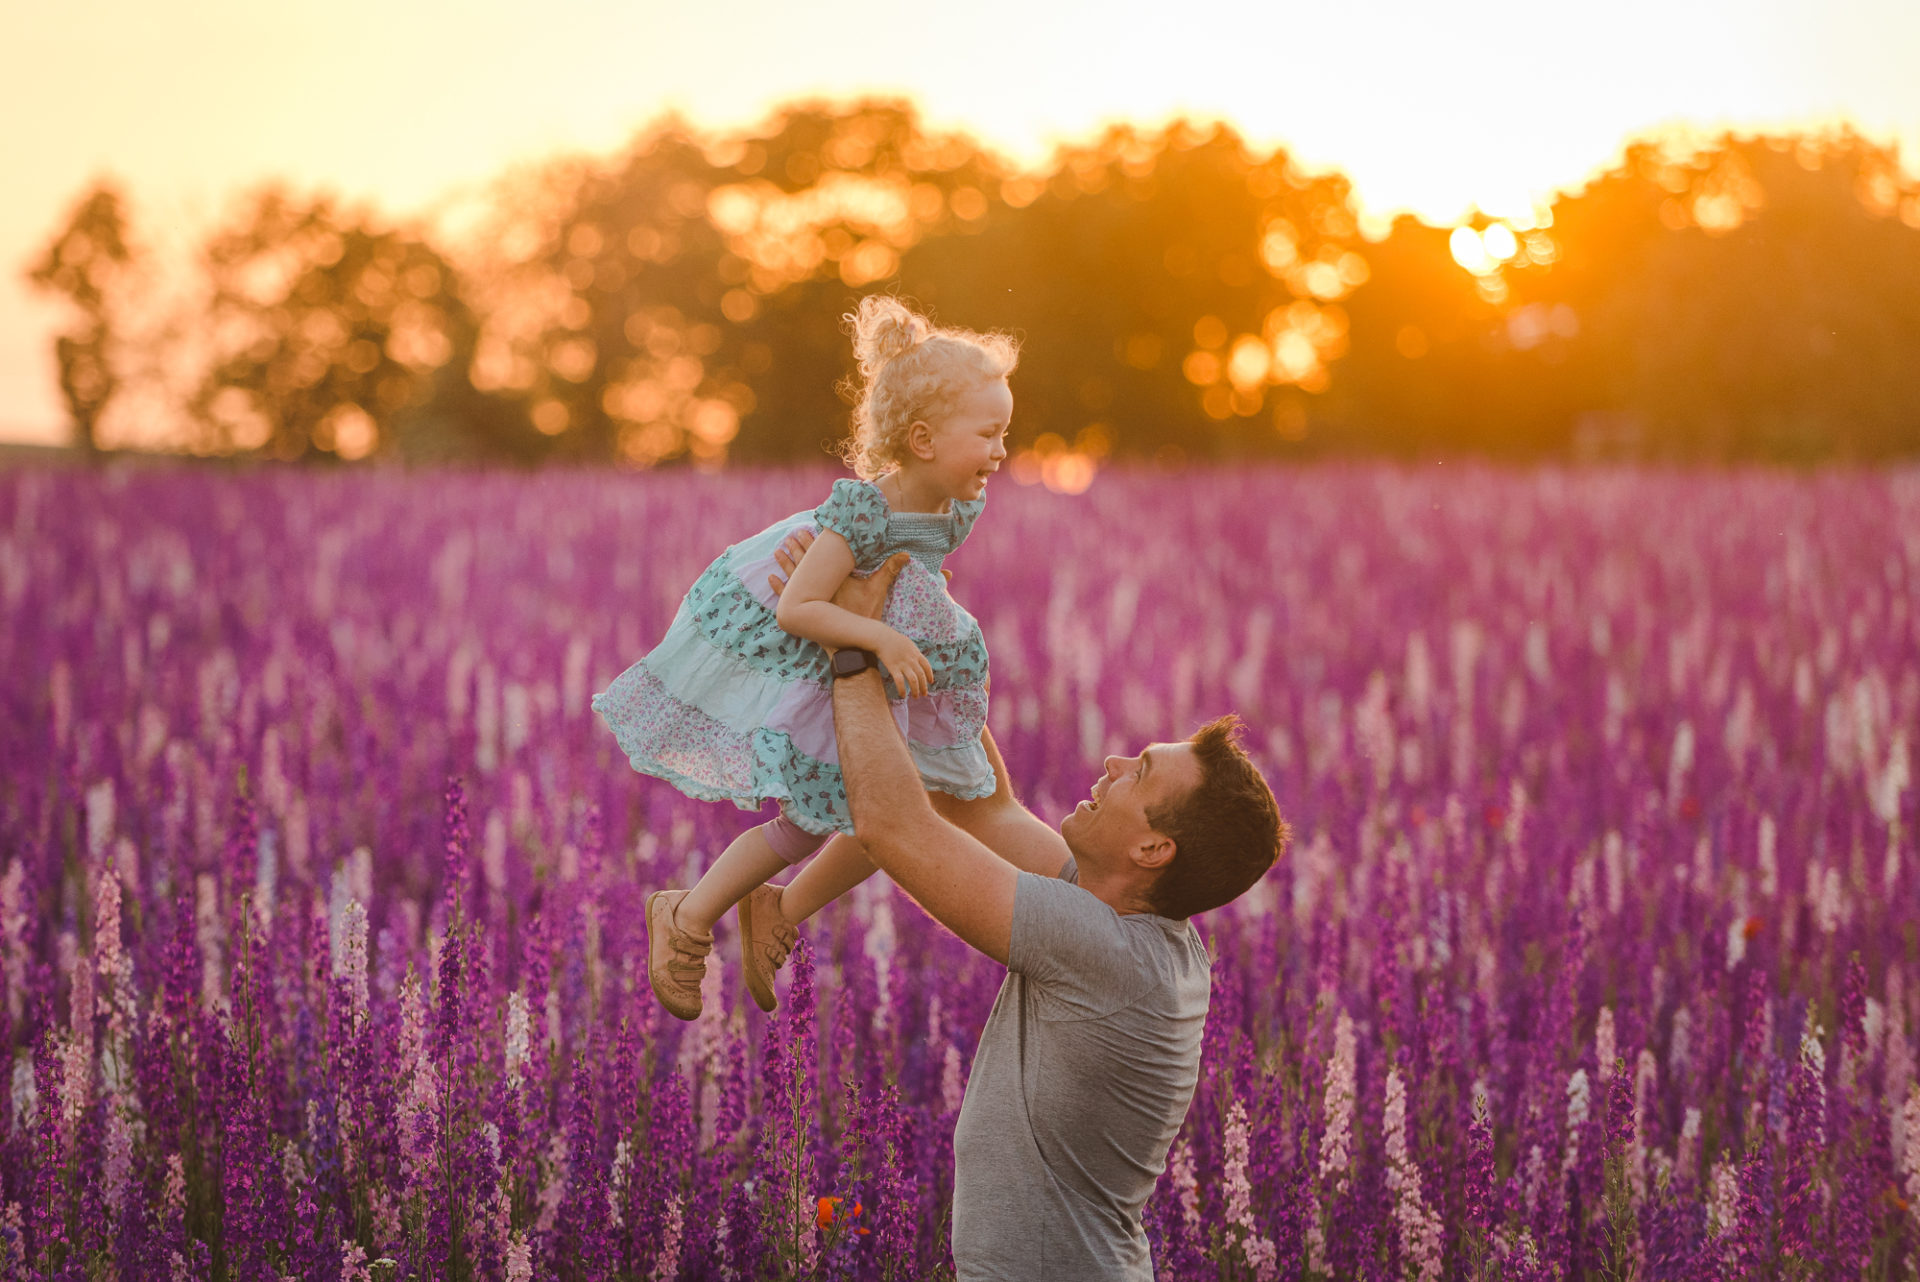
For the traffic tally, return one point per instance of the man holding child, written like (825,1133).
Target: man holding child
(1089,1060)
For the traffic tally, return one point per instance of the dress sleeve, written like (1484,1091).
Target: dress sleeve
(964,515)
(856,512)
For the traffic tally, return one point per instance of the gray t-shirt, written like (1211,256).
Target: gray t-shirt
(1083,1076)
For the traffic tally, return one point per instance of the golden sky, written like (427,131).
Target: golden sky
(1428,105)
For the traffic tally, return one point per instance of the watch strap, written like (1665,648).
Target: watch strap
(853,661)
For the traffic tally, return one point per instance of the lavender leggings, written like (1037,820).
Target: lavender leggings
(789,840)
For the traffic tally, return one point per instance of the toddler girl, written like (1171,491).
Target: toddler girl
(736,702)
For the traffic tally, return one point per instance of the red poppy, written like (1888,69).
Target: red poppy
(823,1216)
(1753,927)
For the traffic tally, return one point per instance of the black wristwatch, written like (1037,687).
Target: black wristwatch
(850,663)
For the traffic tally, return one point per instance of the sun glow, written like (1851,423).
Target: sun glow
(1455,120)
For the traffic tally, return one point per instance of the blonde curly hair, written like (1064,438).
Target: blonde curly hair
(910,370)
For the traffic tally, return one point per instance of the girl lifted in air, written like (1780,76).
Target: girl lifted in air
(736,702)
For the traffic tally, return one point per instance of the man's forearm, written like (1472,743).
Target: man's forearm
(883,788)
(962,884)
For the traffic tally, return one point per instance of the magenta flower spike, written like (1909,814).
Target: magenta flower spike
(321,888)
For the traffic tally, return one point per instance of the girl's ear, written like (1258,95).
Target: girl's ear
(920,439)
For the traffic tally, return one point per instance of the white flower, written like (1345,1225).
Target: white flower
(1189,1187)
(1579,1105)
(519,1259)
(516,1036)
(1260,1253)
(1723,1200)
(1338,1104)
(666,1265)
(953,1082)
(1911,1117)
(1419,1224)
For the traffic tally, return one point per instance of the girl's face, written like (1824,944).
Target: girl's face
(969,444)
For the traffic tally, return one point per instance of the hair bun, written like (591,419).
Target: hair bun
(883,327)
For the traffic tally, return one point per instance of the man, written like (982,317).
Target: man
(1089,1059)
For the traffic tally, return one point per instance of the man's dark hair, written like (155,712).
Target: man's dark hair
(1227,831)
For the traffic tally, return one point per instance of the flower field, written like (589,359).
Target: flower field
(1597,952)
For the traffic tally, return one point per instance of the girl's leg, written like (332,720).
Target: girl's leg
(844,864)
(744,864)
(840,866)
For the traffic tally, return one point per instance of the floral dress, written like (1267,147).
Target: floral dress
(729,707)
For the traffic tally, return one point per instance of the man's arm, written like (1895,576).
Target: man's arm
(1006,827)
(962,884)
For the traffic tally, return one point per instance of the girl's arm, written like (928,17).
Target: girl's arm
(1005,826)
(806,610)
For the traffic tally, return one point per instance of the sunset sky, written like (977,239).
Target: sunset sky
(1431,106)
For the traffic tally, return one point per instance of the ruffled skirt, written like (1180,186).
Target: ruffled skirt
(728,707)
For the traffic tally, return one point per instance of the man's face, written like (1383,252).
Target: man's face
(1111,824)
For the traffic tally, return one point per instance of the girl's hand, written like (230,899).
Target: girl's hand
(911,672)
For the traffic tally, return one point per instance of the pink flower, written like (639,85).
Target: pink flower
(1419,1224)
(1338,1104)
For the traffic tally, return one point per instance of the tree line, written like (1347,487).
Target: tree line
(1180,296)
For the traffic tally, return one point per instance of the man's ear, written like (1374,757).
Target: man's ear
(920,439)
(1157,853)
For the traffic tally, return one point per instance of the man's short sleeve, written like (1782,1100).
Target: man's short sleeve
(1073,946)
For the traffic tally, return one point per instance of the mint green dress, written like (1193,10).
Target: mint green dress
(729,707)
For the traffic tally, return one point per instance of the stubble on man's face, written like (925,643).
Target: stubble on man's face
(1112,822)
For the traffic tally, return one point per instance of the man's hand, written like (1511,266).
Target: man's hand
(788,555)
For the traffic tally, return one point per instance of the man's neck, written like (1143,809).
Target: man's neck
(1123,890)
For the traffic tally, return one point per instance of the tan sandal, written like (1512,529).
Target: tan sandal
(765,941)
(676,958)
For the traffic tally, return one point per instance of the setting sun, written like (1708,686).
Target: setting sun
(1437,111)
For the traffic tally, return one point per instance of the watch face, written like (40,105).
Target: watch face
(848,662)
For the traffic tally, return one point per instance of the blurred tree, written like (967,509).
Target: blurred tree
(86,263)
(1755,298)
(686,303)
(1750,298)
(819,208)
(1177,295)
(334,337)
